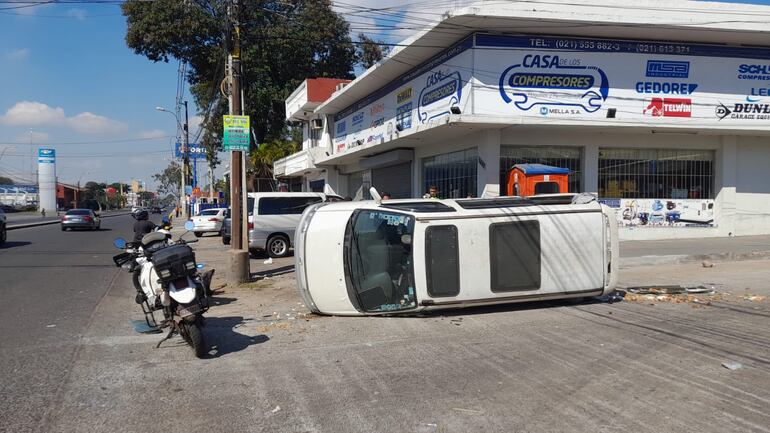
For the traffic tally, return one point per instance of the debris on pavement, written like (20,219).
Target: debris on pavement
(707,264)
(732,365)
(276,410)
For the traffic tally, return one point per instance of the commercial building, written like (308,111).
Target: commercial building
(661,109)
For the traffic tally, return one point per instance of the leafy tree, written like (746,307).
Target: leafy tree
(282,43)
(169,180)
(5,180)
(369,51)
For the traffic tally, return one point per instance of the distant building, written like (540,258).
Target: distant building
(19,195)
(662,109)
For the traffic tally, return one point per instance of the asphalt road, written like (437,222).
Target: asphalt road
(51,283)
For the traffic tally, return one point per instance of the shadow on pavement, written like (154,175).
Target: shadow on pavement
(272,272)
(222,336)
(217,300)
(12,244)
(259,254)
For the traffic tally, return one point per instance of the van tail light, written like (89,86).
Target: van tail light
(251,225)
(213,220)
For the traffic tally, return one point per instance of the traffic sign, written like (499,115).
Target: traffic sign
(236,134)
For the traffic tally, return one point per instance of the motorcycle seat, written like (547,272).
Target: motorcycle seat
(151,238)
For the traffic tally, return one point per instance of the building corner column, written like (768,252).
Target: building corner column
(589,169)
(488,176)
(724,183)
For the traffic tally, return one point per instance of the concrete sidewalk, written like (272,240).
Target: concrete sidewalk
(650,253)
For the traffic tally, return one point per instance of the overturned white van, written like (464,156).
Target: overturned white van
(404,256)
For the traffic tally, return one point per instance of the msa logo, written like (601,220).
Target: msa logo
(667,69)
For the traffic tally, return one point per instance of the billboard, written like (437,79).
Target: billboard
(46,178)
(196,151)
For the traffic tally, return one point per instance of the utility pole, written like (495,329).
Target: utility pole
(186,158)
(236,188)
(239,254)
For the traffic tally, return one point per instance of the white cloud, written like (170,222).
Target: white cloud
(31,113)
(90,123)
(18,55)
(194,123)
(155,133)
(35,136)
(77,13)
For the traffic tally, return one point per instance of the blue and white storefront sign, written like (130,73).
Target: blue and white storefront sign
(596,80)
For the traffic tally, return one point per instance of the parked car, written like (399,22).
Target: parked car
(275,216)
(81,219)
(208,220)
(3,228)
(8,209)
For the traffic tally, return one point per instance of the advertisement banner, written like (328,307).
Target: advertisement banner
(641,212)
(195,151)
(236,133)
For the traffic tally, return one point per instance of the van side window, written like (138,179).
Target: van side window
(442,261)
(514,256)
(285,205)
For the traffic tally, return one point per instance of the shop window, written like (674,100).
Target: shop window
(453,174)
(514,256)
(656,173)
(564,157)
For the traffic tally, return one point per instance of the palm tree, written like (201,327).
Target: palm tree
(260,170)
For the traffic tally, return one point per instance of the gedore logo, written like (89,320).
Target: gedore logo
(669,107)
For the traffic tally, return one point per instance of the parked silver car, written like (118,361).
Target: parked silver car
(81,219)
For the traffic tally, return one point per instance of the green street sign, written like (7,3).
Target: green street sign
(236,134)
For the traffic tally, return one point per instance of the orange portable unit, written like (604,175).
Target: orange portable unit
(526,180)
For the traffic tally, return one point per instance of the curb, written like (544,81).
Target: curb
(48,223)
(633,262)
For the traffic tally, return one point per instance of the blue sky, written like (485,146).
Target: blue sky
(69,77)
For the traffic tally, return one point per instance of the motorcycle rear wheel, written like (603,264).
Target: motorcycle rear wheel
(193,335)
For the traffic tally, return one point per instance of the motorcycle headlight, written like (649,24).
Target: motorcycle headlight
(189,266)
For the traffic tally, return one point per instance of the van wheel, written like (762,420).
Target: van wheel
(198,234)
(278,246)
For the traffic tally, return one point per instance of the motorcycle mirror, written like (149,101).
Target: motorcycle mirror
(189,225)
(119,243)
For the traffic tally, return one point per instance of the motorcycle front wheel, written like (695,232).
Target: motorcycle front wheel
(193,335)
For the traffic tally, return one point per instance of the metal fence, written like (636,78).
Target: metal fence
(656,173)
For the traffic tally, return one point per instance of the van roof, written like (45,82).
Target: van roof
(286,194)
(453,208)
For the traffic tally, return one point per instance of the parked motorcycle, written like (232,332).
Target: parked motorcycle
(167,278)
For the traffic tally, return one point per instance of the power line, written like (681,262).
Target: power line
(122,140)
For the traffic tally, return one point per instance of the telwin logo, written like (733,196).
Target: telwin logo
(669,107)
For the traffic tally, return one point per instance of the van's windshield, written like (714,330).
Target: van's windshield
(379,255)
